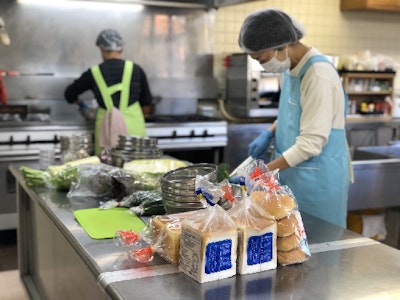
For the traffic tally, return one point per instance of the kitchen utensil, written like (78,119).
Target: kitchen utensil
(244,163)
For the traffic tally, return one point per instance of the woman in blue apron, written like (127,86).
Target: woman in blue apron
(311,149)
(115,83)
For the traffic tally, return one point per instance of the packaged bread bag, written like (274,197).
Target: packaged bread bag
(208,247)
(166,229)
(292,246)
(166,234)
(264,188)
(256,237)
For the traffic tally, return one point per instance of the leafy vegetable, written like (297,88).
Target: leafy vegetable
(222,172)
(33,177)
(58,177)
(54,170)
(154,166)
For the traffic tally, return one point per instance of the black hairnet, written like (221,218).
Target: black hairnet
(269,28)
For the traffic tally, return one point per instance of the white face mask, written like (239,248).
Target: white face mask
(276,66)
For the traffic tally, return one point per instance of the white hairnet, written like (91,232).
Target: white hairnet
(110,40)
(4,38)
(269,28)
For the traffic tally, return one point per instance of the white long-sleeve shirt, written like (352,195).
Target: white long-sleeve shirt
(322,103)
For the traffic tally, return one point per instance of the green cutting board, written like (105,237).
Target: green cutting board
(103,223)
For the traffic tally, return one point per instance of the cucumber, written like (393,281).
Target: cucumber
(138,197)
(150,206)
(154,209)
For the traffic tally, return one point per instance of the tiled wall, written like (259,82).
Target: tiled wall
(327,28)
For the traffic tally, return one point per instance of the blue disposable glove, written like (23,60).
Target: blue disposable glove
(82,105)
(234,179)
(258,148)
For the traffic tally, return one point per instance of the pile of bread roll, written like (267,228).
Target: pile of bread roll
(290,230)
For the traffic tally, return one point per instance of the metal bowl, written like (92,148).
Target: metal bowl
(176,207)
(187,175)
(178,187)
(188,192)
(180,198)
(120,156)
(174,210)
(178,204)
(130,141)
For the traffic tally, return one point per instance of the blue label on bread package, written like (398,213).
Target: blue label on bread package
(218,256)
(259,249)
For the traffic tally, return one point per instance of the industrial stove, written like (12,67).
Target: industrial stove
(190,132)
(194,138)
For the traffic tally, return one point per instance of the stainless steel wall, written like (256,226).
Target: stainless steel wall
(173,45)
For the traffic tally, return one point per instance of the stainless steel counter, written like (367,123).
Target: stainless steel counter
(58,260)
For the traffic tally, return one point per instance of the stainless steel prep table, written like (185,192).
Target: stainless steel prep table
(58,260)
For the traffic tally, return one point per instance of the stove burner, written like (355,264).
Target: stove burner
(180,118)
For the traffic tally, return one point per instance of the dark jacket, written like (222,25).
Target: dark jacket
(112,72)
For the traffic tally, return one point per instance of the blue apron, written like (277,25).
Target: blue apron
(321,183)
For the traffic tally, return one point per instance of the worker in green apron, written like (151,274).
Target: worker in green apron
(115,83)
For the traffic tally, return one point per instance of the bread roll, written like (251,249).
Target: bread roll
(287,225)
(293,256)
(277,205)
(288,243)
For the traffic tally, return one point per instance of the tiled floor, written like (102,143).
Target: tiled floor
(11,287)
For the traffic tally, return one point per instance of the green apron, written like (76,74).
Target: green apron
(133,114)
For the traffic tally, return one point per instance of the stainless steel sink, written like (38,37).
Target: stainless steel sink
(377,177)
(377,152)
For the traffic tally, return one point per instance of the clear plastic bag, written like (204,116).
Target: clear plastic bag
(232,194)
(208,249)
(165,233)
(148,172)
(134,199)
(92,181)
(137,245)
(258,237)
(292,245)
(264,188)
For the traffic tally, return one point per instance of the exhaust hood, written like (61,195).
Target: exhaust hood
(181,3)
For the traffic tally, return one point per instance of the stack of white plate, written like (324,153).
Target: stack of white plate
(179,188)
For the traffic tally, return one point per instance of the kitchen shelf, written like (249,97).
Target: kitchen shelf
(366,93)
(373,5)
(358,118)
(370,93)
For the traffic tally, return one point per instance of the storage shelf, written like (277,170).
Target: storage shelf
(368,92)
(367,118)
(373,5)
